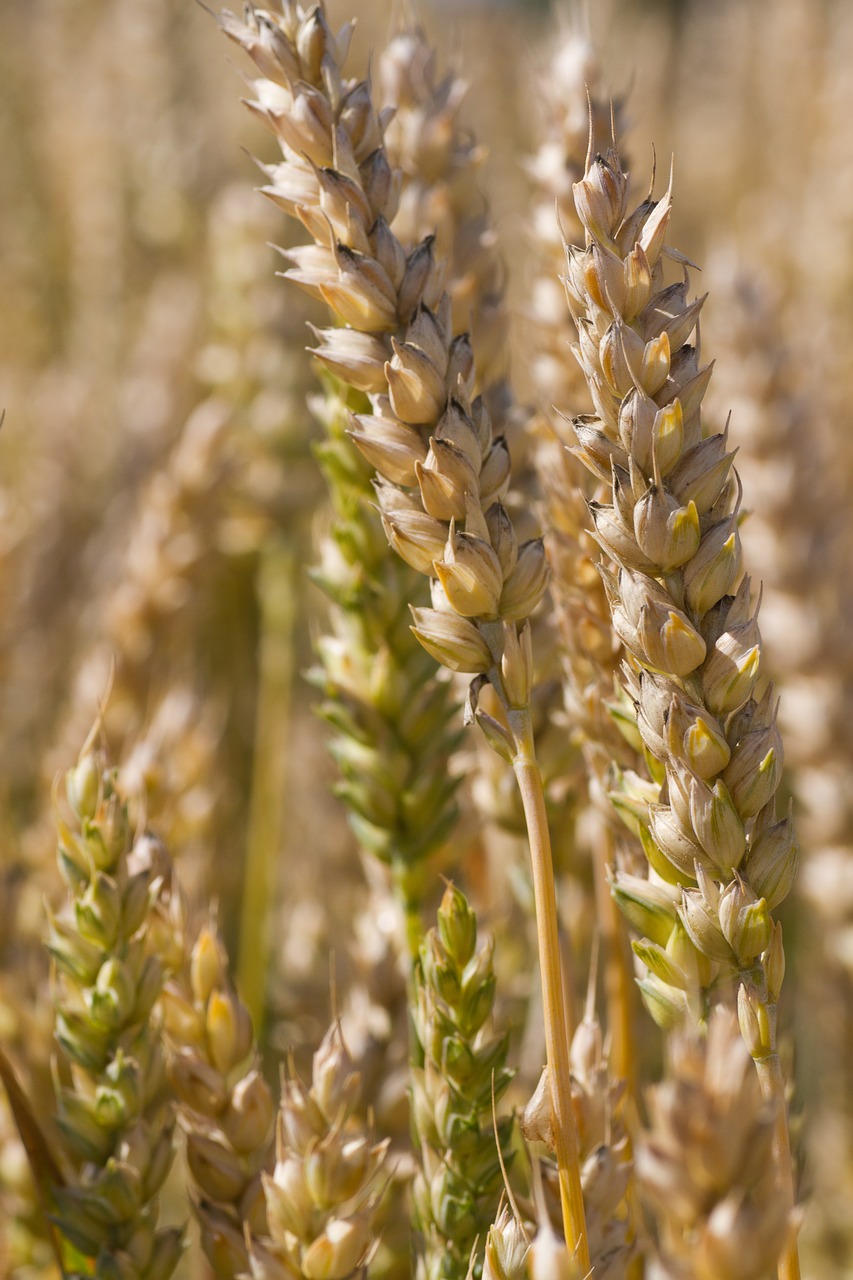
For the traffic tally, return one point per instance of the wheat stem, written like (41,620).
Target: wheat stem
(771,1077)
(556,1030)
(618,975)
(266,819)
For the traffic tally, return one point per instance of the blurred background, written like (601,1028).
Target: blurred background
(158,496)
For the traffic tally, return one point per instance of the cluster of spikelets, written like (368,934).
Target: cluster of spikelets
(112,1105)
(685,751)
(153,1032)
(225,1106)
(706,1165)
(684,614)
(462,1078)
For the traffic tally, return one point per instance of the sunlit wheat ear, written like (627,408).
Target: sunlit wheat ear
(684,612)
(443,193)
(225,1107)
(322,1194)
(441,470)
(116,1121)
(377,680)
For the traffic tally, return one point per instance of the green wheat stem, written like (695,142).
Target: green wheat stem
(276,594)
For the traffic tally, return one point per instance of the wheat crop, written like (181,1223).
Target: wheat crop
(463,620)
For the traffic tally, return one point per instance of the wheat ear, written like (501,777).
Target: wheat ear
(568,91)
(705,1167)
(115,1117)
(684,613)
(322,1195)
(225,1105)
(442,472)
(463,1075)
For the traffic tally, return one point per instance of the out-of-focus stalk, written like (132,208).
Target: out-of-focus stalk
(277,596)
(553,1003)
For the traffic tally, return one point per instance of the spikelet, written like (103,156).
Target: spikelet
(458,1184)
(115,1120)
(507,1249)
(225,1105)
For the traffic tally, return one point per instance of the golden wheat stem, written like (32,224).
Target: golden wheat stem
(277,594)
(618,978)
(556,1030)
(619,991)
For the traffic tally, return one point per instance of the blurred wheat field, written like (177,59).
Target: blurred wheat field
(190,553)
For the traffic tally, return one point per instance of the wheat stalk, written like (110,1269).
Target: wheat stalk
(598,1099)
